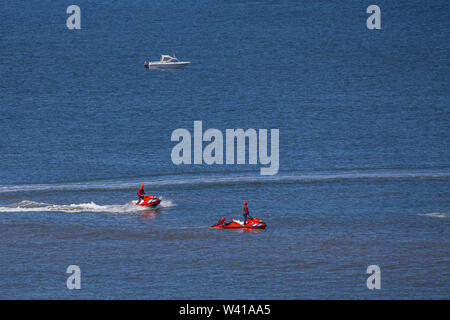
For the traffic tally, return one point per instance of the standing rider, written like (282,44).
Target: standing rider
(141,193)
(245,212)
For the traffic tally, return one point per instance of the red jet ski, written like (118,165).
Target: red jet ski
(148,201)
(253,223)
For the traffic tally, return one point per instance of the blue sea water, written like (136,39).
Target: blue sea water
(364,174)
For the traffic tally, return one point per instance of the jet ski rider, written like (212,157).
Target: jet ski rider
(245,212)
(141,193)
(221,222)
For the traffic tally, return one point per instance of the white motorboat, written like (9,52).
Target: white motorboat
(166,62)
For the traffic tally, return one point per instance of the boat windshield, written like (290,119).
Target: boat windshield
(165,58)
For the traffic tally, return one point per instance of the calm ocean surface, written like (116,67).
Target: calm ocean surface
(364,122)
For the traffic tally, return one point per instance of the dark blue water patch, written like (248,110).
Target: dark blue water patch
(363,119)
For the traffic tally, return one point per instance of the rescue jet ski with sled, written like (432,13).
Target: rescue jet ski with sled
(253,223)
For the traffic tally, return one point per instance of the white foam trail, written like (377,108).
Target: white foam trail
(434,214)
(165,203)
(214,178)
(32,206)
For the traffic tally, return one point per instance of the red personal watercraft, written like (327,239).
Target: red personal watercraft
(253,223)
(148,201)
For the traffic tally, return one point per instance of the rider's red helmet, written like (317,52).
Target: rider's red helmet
(245,202)
(142,185)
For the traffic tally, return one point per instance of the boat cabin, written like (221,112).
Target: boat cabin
(167,58)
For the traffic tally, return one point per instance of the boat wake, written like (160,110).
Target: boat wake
(434,214)
(210,179)
(33,206)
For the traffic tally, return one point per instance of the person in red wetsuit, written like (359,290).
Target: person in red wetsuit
(245,212)
(141,193)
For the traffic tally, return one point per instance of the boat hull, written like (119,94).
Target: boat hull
(175,65)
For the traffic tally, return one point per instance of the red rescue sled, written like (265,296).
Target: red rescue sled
(148,201)
(253,223)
